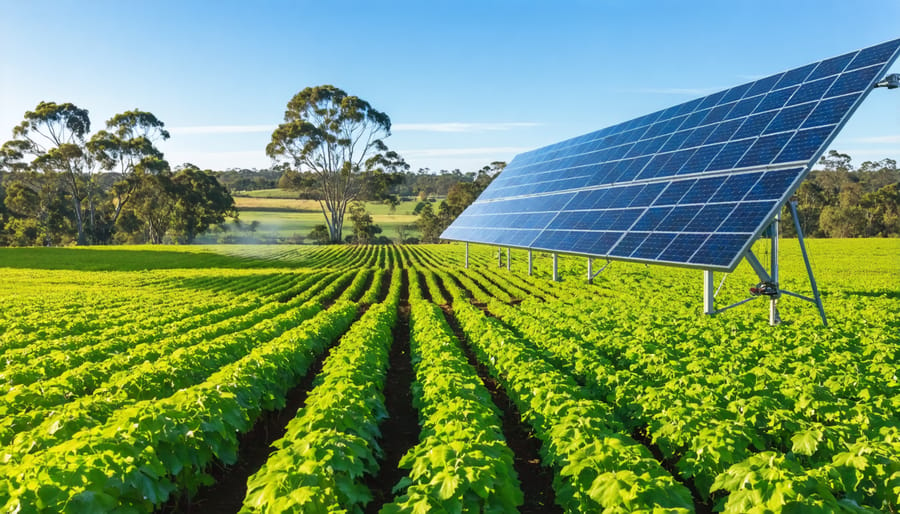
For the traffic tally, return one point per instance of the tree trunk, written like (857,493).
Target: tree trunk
(79,222)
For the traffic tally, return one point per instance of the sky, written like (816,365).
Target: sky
(464,83)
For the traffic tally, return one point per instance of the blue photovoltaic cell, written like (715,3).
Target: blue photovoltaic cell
(764,150)
(831,66)
(803,142)
(672,194)
(710,217)
(682,247)
(789,118)
(678,219)
(718,249)
(811,91)
(829,112)
(651,247)
(702,190)
(693,184)
(730,154)
(773,184)
(647,195)
(735,187)
(629,243)
(651,218)
(746,216)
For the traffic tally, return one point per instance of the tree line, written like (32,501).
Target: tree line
(838,199)
(60,184)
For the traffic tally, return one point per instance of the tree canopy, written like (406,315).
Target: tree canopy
(338,139)
(58,185)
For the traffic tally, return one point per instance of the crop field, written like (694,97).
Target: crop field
(392,379)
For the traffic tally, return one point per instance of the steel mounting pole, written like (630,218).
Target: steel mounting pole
(555,268)
(774,318)
(507,258)
(792,204)
(708,294)
(530,261)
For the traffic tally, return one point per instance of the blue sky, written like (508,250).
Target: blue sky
(465,83)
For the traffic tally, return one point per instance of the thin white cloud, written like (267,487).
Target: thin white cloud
(460,127)
(454,152)
(222,129)
(887,140)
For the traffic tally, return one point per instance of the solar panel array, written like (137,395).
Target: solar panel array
(692,185)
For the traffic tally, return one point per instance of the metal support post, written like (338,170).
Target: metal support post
(708,294)
(792,204)
(467,255)
(590,270)
(555,268)
(507,259)
(530,262)
(774,318)
(499,257)
(757,267)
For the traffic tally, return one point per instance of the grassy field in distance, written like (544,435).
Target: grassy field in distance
(282,218)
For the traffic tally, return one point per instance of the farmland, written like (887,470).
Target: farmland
(280,218)
(392,379)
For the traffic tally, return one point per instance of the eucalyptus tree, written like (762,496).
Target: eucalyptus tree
(339,140)
(51,139)
(128,147)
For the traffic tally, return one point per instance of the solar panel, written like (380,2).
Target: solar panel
(692,185)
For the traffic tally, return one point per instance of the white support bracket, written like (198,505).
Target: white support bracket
(708,293)
(555,268)
(590,273)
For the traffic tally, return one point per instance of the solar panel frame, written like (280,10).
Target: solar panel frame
(623,192)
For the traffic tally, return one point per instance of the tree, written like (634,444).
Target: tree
(364,229)
(429,225)
(127,147)
(53,135)
(884,206)
(39,209)
(319,235)
(336,137)
(150,211)
(200,201)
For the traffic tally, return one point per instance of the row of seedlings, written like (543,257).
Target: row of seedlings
(147,450)
(462,462)
(332,442)
(596,467)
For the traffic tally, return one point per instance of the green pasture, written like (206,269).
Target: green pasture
(283,219)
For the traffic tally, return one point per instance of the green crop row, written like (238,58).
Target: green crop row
(462,463)
(597,469)
(148,370)
(145,451)
(710,422)
(333,441)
